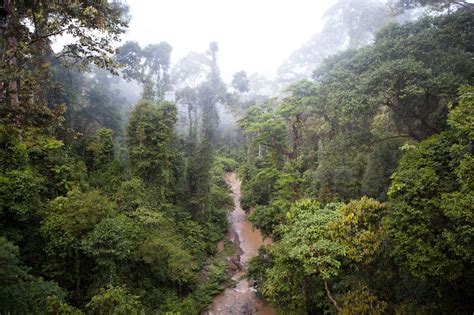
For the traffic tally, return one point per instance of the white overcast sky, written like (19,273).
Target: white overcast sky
(253,35)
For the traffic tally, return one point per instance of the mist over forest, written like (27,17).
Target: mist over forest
(233,157)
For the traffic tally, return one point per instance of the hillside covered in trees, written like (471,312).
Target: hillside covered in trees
(356,161)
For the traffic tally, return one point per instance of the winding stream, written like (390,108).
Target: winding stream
(241,299)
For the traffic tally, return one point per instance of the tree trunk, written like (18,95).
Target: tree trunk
(9,60)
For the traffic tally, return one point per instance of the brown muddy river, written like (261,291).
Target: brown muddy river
(241,299)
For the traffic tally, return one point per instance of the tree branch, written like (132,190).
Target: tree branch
(328,292)
(38,38)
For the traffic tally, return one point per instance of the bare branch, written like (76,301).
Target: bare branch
(328,292)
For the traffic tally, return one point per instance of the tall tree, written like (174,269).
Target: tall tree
(187,75)
(149,136)
(210,92)
(28,30)
(148,66)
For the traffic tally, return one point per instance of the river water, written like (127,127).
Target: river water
(241,299)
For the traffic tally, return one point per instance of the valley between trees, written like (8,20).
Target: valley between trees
(240,298)
(356,161)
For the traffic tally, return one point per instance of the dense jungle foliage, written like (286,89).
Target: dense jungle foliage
(104,208)
(363,178)
(362,174)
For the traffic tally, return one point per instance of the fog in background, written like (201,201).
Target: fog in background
(276,43)
(253,35)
